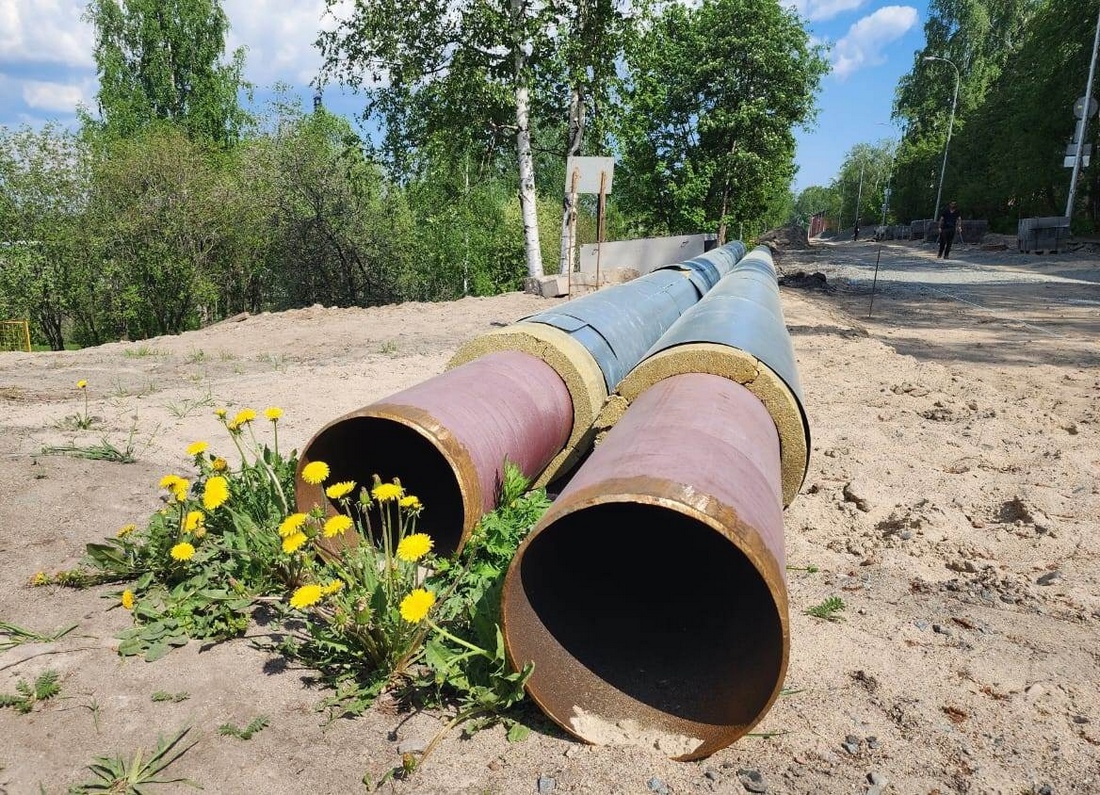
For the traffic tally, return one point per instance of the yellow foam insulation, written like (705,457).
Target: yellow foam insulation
(738,366)
(570,360)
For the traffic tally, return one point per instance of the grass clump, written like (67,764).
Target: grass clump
(120,776)
(12,635)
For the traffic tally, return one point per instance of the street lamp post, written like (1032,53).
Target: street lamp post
(950,126)
(859,197)
(1084,124)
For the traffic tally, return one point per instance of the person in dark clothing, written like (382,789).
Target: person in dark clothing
(855,236)
(949,222)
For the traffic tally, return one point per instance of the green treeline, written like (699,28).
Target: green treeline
(1021,66)
(172,207)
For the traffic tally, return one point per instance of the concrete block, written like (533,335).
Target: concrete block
(554,286)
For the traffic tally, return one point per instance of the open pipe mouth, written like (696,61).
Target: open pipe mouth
(358,448)
(636,614)
(447,439)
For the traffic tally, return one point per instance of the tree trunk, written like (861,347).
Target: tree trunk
(523,148)
(576,138)
(722,215)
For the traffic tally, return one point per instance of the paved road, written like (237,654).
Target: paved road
(1056,293)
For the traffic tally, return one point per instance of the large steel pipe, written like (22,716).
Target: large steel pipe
(529,392)
(447,439)
(651,596)
(737,331)
(595,340)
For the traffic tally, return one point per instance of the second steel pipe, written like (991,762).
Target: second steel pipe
(651,597)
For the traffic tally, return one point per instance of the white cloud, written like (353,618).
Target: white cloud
(279,38)
(54,96)
(863,44)
(821,10)
(45,31)
(43,42)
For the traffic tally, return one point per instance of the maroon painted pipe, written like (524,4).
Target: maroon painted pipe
(447,438)
(651,596)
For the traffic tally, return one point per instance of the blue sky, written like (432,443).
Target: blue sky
(46,65)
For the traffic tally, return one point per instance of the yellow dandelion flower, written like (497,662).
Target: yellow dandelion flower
(125,530)
(169,482)
(183,551)
(315,472)
(244,416)
(215,493)
(387,491)
(341,489)
(219,464)
(40,578)
(127,599)
(416,605)
(196,448)
(177,485)
(200,531)
(333,587)
(335,525)
(273,413)
(193,521)
(293,542)
(81,384)
(306,595)
(292,524)
(412,502)
(220,413)
(233,426)
(414,547)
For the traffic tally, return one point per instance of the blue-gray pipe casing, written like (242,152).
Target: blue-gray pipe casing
(743,311)
(619,324)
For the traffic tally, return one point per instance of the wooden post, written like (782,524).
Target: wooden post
(601,206)
(573,224)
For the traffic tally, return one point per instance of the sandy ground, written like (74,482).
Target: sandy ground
(951,501)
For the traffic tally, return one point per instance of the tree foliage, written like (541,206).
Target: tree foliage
(161,60)
(980,38)
(173,209)
(713,94)
(43,268)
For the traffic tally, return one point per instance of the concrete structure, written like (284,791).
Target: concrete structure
(643,254)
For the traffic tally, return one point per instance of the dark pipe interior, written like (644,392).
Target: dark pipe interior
(661,607)
(362,447)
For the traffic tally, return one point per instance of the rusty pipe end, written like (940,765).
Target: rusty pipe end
(447,440)
(651,598)
(397,442)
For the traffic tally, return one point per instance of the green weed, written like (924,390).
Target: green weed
(257,724)
(27,694)
(116,775)
(12,635)
(828,610)
(175,698)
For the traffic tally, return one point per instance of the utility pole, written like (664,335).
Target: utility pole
(1084,124)
(859,195)
(950,127)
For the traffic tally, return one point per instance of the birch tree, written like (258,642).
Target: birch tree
(441,68)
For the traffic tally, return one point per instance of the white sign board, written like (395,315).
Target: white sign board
(588,170)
